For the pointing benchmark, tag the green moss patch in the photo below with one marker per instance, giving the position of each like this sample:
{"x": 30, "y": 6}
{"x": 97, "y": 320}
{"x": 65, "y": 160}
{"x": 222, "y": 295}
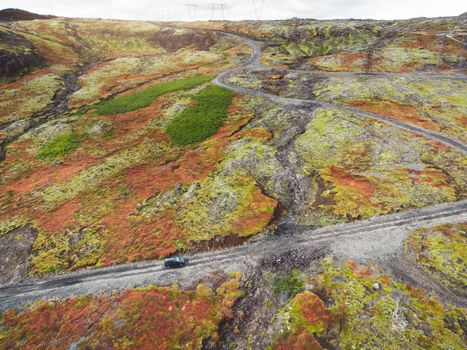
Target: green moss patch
{"x": 440, "y": 251}
{"x": 144, "y": 98}
{"x": 202, "y": 119}
{"x": 58, "y": 147}
{"x": 358, "y": 307}
{"x": 291, "y": 284}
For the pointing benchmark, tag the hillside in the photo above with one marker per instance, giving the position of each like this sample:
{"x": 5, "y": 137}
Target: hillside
{"x": 21, "y": 15}
{"x": 313, "y": 172}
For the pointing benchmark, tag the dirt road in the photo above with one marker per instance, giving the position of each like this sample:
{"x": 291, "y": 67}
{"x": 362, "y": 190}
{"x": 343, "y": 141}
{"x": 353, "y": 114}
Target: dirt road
{"x": 380, "y": 238}
{"x": 254, "y": 63}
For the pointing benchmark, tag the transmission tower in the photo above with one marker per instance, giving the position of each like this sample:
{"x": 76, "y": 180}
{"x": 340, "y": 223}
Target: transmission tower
{"x": 163, "y": 15}
{"x": 192, "y": 10}
{"x": 258, "y": 6}
{"x": 217, "y": 6}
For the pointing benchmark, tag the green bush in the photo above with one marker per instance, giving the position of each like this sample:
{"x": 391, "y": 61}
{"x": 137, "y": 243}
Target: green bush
{"x": 144, "y": 98}
{"x": 201, "y": 120}
{"x": 292, "y": 284}
{"x": 60, "y": 146}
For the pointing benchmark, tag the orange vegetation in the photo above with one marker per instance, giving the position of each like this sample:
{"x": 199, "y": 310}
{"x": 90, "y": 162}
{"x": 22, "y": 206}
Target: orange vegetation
{"x": 43, "y": 175}
{"x": 256, "y": 133}
{"x": 393, "y": 110}
{"x": 151, "y": 318}
{"x": 359, "y": 184}
{"x": 312, "y": 309}
{"x": 299, "y": 340}
{"x": 150, "y": 238}
{"x": 257, "y": 214}
{"x": 358, "y": 270}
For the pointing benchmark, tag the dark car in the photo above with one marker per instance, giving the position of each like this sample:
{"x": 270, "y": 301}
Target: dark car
{"x": 177, "y": 261}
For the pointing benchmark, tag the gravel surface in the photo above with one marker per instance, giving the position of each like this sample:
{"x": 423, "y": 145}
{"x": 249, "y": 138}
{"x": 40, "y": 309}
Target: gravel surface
{"x": 379, "y": 238}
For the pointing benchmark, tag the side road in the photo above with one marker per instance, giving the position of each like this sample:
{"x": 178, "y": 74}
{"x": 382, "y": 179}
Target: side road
{"x": 254, "y": 63}
{"x": 380, "y": 238}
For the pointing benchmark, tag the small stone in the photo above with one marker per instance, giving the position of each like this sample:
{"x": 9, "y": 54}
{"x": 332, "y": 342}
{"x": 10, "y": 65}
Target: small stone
{"x": 376, "y": 286}
{"x": 100, "y": 129}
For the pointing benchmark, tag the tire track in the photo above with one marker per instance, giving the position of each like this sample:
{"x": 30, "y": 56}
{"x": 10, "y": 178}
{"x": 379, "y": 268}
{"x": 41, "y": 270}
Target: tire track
{"x": 140, "y": 273}
{"x": 108, "y": 278}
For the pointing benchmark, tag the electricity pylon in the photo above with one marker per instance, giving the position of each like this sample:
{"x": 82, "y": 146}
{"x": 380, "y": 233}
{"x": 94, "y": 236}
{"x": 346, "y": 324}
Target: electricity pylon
{"x": 217, "y": 6}
{"x": 192, "y": 10}
{"x": 258, "y": 9}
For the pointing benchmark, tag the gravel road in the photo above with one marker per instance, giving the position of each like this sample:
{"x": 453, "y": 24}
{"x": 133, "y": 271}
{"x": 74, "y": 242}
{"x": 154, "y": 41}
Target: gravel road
{"x": 379, "y": 238}
{"x": 254, "y": 63}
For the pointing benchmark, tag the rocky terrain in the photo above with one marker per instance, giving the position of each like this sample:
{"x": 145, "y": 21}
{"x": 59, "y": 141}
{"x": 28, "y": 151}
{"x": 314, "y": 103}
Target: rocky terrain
{"x": 313, "y": 171}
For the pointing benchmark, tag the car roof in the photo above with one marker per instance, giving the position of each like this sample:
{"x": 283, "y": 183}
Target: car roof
{"x": 175, "y": 258}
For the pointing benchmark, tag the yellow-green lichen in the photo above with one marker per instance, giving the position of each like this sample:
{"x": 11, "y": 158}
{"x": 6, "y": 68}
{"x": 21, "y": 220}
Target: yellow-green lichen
{"x": 441, "y": 251}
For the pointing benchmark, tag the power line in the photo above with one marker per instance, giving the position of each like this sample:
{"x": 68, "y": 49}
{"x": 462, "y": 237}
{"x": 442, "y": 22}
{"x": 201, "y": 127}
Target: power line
{"x": 217, "y": 6}
{"x": 258, "y": 9}
{"x": 191, "y": 8}
{"x": 163, "y": 15}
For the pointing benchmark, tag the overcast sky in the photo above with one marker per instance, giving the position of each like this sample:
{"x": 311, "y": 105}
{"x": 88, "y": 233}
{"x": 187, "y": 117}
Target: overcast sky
{"x": 240, "y": 9}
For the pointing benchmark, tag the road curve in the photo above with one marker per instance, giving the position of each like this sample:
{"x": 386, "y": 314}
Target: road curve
{"x": 254, "y": 63}
{"x": 388, "y": 231}
{"x": 393, "y": 227}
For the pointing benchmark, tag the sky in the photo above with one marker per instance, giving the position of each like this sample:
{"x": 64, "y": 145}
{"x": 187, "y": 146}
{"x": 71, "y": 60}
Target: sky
{"x": 187, "y": 10}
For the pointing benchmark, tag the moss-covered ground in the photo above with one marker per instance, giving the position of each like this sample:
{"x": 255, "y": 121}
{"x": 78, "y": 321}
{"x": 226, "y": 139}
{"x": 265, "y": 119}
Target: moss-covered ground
{"x": 441, "y": 252}
{"x": 144, "y": 98}
{"x": 106, "y": 189}
{"x": 359, "y": 307}
{"x": 201, "y": 120}
{"x": 144, "y": 318}
{"x": 358, "y": 175}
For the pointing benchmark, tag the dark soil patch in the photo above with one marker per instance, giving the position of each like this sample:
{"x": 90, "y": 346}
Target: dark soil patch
{"x": 21, "y": 56}
{"x": 167, "y": 39}
{"x": 219, "y": 242}
{"x": 253, "y": 313}
{"x": 15, "y": 248}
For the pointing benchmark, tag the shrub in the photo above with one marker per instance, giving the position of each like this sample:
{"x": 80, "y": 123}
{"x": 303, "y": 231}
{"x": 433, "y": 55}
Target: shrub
{"x": 144, "y": 98}
{"x": 60, "y": 146}
{"x": 201, "y": 120}
{"x": 291, "y": 284}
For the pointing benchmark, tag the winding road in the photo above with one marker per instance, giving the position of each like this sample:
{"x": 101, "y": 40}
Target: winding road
{"x": 254, "y": 63}
{"x": 379, "y": 238}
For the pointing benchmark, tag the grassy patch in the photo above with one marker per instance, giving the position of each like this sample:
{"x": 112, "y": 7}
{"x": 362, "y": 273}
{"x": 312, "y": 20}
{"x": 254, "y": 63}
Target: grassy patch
{"x": 60, "y": 146}
{"x": 203, "y": 119}
{"x": 292, "y": 284}
{"x": 144, "y": 98}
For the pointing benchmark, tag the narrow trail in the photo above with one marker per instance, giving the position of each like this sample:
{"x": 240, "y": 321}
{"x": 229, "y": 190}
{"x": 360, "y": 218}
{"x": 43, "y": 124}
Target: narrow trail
{"x": 379, "y": 238}
{"x": 254, "y": 63}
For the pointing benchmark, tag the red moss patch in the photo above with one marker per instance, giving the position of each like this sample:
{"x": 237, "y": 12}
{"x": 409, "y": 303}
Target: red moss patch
{"x": 256, "y": 216}
{"x": 395, "y": 111}
{"x": 299, "y": 340}
{"x": 59, "y": 219}
{"x": 130, "y": 241}
{"x": 358, "y": 270}
{"x": 149, "y": 318}
{"x": 360, "y": 184}
{"x": 49, "y": 174}
{"x": 312, "y": 309}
